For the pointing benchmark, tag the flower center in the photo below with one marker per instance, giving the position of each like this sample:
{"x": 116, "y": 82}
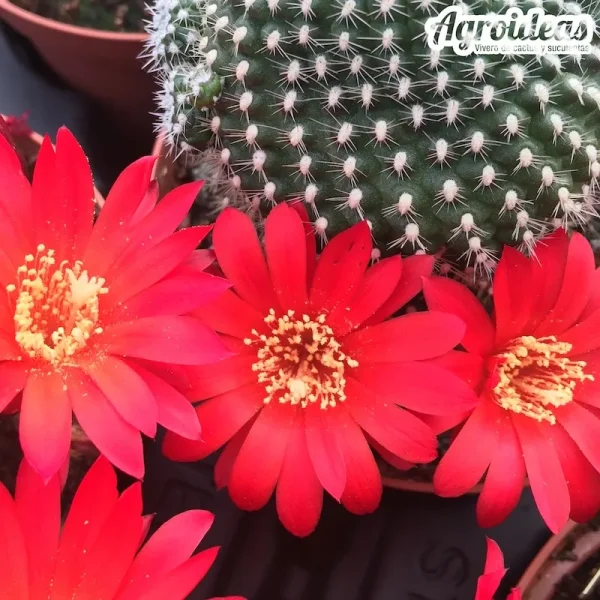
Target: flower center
{"x": 535, "y": 376}
{"x": 55, "y": 307}
{"x": 300, "y": 362}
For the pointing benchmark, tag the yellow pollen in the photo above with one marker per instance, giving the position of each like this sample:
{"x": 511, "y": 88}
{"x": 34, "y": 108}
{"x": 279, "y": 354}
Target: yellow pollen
{"x": 535, "y": 376}
{"x": 300, "y": 362}
{"x": 56, "y": 307}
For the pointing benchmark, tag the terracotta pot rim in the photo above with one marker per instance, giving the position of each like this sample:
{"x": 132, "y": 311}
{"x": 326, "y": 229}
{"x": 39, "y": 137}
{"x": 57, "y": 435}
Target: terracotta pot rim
{"x": 73, "y": 30}
{"x": 421, "y": 487}
{"x": 548, "y": 549}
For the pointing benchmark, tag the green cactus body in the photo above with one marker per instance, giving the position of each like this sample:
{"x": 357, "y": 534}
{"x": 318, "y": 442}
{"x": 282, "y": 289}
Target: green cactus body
{"x": 342, "y": 104}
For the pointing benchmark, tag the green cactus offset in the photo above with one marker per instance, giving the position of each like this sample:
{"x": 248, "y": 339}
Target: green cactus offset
{"x": 342, "y": 103}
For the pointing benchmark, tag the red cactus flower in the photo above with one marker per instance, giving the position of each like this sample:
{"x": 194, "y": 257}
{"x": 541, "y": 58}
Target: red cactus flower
{"x": 536, "y": 367}
{"x": 90, "y": 315}
{"x": 16, "y": 125}
{"x": 319, "y": 372}
{"x": 97, "y": 554}
{"x": 493, "y": 572}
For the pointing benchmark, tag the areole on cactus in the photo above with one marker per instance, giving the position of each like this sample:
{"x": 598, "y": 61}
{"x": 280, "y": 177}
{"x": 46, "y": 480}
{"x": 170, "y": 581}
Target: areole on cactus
{"x": 342, "y": 103}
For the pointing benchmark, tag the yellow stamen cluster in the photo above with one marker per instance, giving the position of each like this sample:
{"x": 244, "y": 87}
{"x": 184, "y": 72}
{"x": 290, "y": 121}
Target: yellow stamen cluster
{"x": 56, "y": 307}
{"x": 300, "y": 362}
{"x": 536, "y": 376}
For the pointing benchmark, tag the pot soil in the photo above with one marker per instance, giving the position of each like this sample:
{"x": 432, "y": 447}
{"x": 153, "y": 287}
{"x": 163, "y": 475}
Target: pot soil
{"x": 567, "y": 567}
{"x": 104, "y": 65}
{"x": 105, "y": 15}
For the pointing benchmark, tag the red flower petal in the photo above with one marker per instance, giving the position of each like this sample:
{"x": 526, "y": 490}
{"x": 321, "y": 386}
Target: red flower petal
{"x": 582, "y": 479}
{"x": 583, "y": 336}
{"x": 311, "y": 241}
{"x": 415, "y": 336}
{"x": 15, "y": 202}
{"x": 493, "y": 572}
{"x": 228, "y": 455}
{"x": 108, "y": 238}
{"x": 442, "y": 423}
{"x": 470, "y": 453}
{"x": 575, "y": 291}
{"x": 45, "y": 194}
{"x": 199, "y": 260}
{"x": 167, "y": 339}
{"x": 396, "y": 429}
{"x": 504, "y": 480}
{"x": 94, "y": 500}
{"x": 167, "y": 549}
{"x": 180, "y": 582}
{"x": 9, "y": 350}
{"x": 7, "y": 322}
{"x": 584, "y": 428}
{"x": 325, "y": 450}
{"x": 469, "y": 367}
{"x": 176, "y": 294}
{"x": 299, "y": 494}
{"x": 45, "y": 422}
{"x": 418, "y": 386}
{"x": 414, "y": 268}
{"x": 231, "y": 315}
{"x": 110, "y": 556}
{"x": 285, "y": 247}
{"x": 362, "y": 493}
{"x": 126, "y": 391}
{"x": 13, "y": 552}
{"x": 547, "y": 275}
{"x": 376, "y": 287}
{"x": 38, "y": 508}
{"x": 513, "y": 297}
{"x": 259, "y": 461}
{"x": 220, "y": 418}
{"x": 159, "y": 223}
{"x": 594, "y": 300}
{"x": 150, "y": 266}
{"x": 175, "y": 412}
{"x": 211, "y": 380}
{"x": 149, "y": 202}
{"x": 73, "y": 216}
{"x": 546, "y": 477}
{"x": 446, "y": 295}
{"x": 341, "y": 267}
{"x": 391, "y": 459}
{"x": 119, "y": 441}
{"x": 13, "y": 376}
{"x": 242, "y": 260}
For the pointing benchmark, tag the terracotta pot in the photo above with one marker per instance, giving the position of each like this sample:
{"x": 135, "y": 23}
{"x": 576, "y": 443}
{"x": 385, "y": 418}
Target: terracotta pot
{"x": 101, "y": 64}
{"x": 561, "y": 556}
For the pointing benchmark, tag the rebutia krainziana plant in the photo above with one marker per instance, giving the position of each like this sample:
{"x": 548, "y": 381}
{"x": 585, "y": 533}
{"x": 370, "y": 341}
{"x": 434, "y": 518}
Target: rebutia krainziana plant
{"x": 343, "y": 104}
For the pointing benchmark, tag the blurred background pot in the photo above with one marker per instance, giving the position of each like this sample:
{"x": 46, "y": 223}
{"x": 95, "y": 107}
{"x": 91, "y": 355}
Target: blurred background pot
{"x": 104, "y": 65}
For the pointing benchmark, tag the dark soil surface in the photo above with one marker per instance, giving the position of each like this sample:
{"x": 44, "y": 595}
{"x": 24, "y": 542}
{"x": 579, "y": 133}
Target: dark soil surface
{"x": 107, "y": 15}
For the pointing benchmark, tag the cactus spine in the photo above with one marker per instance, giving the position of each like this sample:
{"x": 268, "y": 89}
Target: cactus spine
{"x": 342, "y": 104}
